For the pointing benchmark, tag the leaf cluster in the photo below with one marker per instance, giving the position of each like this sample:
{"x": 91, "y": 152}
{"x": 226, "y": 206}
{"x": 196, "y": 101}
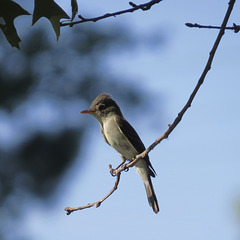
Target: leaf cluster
{"x": 10, "y": 10}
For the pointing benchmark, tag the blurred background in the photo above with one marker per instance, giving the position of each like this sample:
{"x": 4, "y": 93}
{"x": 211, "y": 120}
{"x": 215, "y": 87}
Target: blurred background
{"x": 52, "y": 157}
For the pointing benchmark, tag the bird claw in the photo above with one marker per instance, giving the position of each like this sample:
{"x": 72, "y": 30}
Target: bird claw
{"x": 112, "y": 170}
{"x": 126, "y": 169}
{"x": 113, "y": 173}
{"x": 121, "y": 164}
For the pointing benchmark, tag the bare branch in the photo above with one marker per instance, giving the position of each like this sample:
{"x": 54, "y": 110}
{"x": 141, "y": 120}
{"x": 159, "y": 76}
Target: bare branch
{"x": 177, "y": 120}
{"x": 172, "y": 126}
{"x": 235, "y": 27}
{"x": 134, "y": 7}
{"x": 69, "y": 210}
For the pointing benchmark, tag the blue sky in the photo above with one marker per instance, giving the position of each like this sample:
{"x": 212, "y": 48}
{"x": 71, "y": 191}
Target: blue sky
{"x": 198, "y": 181}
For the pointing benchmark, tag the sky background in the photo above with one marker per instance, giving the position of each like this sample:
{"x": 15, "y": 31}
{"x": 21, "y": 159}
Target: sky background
{"x": 197, "y": 183}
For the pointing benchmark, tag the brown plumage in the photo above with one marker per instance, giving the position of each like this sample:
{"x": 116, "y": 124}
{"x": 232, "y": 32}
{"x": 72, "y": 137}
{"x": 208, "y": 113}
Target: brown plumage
{"x": 120, "y": 135}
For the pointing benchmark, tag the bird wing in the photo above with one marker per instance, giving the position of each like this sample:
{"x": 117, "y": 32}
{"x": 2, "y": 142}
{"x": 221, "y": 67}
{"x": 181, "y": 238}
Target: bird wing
{"x": 134, "y": 139}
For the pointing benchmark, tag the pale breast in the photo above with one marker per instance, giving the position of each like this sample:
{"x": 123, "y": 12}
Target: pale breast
{"x": 117, "y": 139}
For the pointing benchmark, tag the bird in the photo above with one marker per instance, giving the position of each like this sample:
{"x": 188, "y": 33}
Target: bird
{"x": 120, "y": 135}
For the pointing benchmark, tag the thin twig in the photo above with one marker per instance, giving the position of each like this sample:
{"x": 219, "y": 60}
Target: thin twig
{"x": 134, "y": 7}
{"x": 235, "y": 27}
{"x": 192, "y": 96}
{"x": 172, "y": 126}
{"x": 69, "y": 210}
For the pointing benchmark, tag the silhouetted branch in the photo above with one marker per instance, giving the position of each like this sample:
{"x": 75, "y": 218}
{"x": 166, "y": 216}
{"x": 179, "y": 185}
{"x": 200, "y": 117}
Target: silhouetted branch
{"x": 235, "y": 27}
{"x": 171, "y": 127}
{"x": 134, "y": 7}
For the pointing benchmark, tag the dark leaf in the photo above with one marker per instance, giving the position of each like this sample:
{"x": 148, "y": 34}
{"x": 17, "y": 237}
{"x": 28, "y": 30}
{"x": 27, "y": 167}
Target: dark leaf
{"x": 9, "y": 10}
{"x": 74, "y": 5}
{"x": 50, "y": 10}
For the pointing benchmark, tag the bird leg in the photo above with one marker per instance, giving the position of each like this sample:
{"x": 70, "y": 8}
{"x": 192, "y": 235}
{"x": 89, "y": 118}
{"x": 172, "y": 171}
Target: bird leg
{"x": 113, "y": 170}
{"x": 123, "y": 161}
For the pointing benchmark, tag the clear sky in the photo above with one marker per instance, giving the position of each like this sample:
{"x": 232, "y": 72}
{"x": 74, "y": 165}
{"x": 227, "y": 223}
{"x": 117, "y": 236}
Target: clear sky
{"x": 198, "y": 183}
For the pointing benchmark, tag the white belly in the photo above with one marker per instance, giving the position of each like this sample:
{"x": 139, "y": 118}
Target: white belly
{"x": 120, "y": 143}
{"x": 117, "y": 140}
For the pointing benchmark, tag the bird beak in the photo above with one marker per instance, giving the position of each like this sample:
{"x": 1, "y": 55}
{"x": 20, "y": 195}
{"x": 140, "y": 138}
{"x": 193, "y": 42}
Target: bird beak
{"x": 89, "y": 111}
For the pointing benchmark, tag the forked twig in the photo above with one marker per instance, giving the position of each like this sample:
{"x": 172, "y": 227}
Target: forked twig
{"x": 235, "y": 27}
{"x": 134, "y": 7}
{"x": 69, "y": 210}
{"x": 193, "y": 94}
{"x": 177, "y": 120}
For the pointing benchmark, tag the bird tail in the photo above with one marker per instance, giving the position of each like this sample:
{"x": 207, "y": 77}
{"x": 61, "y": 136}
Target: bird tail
{"x": 152, "y": 199}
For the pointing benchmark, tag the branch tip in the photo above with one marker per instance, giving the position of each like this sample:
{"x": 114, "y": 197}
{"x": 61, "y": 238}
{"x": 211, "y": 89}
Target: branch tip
{"x": 134, "y": 7}
{"x": 132, "y": 4}
{"x": 189, "y": 24}
{"x": 81, "y": 17}
{"x": 68, "y": 210}
{"x": 235, "y": 27}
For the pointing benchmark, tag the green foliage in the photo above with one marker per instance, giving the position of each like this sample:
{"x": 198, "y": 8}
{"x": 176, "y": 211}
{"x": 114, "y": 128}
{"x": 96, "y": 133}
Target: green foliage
{"x": 9, "y": 10}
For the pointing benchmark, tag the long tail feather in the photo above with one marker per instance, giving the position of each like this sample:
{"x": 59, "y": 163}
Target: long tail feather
{"x": 152, "y": 199}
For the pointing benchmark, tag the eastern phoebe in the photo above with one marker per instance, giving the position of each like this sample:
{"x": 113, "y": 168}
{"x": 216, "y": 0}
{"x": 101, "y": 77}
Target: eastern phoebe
{"x": 120, "y": 135}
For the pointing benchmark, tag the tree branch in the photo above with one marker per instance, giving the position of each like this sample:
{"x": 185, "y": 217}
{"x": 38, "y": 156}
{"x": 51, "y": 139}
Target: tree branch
{"x": 134, "y": 7}
{"x": 235, "y": 27}
{"x": 69, "y": 210}
{"x": 177, "y": 120}
{"x": 193, "y": 94}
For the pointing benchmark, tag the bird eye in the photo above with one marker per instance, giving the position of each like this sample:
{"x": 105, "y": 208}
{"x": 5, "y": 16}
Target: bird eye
{"x": 101, "y": 107}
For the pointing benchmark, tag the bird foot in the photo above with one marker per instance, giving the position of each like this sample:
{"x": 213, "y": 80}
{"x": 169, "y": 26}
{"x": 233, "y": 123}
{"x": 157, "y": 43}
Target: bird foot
{"x": 121, "y": 164}
{"x": 112, "y": 170}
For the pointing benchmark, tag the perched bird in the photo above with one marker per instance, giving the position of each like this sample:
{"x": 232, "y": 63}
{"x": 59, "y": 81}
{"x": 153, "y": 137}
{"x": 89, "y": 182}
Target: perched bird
{"x": 120, "y": 135}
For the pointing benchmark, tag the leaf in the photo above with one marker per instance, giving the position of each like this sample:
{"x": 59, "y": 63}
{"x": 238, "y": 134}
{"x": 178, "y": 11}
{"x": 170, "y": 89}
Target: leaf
{"x": 50, "y": 10}
{"x": 9, "y": 10}
{"x": 11, "y": 35}
{"x": 74, "y": 6}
